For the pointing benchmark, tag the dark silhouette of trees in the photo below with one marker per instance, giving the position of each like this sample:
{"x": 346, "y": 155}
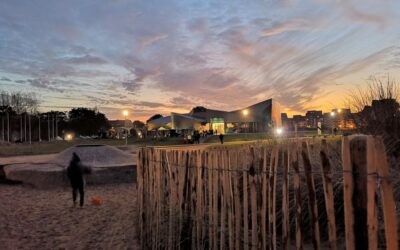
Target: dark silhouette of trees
{"x": 20, "y": 120}
{"x": 377, "y": 106}
{"x": 16, "y": 106}
{"x": 87, "y": 122}
{"x": 379, "y": 112}
{"x": 138, "y": 124}
{"x": 198, "y": 109}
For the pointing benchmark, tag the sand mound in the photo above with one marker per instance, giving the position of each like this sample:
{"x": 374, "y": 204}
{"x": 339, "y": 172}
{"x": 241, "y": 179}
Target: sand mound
{"x": 37, "y": 175}
{"x": 95, "y": 156}
{"x": 109, "y": 165}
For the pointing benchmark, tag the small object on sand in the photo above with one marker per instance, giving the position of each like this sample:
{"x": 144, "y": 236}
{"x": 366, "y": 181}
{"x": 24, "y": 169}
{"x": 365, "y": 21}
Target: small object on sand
{"x": 97, "y": 201}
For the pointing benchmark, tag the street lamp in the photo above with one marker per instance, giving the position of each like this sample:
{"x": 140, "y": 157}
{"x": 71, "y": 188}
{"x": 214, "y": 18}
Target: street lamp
{"x": 68, "y": 137}
{"x": 245, "y": 113}
{"x": 125, "y": 113}
{"x": 332, "y": 121}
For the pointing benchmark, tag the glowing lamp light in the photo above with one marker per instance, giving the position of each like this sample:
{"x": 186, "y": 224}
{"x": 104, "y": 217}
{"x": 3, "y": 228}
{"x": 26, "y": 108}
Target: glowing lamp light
{"x": 245, "y": 112}
{"x": 332, "y": 113}
{"x": 279, "y": 131}
{"x": 68, "y": 137}
{"x": 339, "y": 110}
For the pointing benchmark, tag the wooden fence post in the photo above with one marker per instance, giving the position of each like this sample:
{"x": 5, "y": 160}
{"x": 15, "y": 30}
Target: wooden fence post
{"x": 245, "y": 204}
{"x": 264, "y": 192}
{"x": 328, "y": 194}
{"x": 372, "y": 210}
{"x": 223, "y": 200}
{"x": 348, "y": 187}
{"x": 140, "y": 192}
{"x": 272, "y": 196}
{"x": 285, "y": 198}
{"x": 253, "y": 197}
{"x": 210, "y": 165}
{"x": 388, "y": 202}
{"x": 238, "y": 204}
{"x": 312, "y": 201}
{"x": 294, "y": 161}
{"x": 355, "y": 191}
{"x": 215, "y": 199}
{"x": 230, "y": 200}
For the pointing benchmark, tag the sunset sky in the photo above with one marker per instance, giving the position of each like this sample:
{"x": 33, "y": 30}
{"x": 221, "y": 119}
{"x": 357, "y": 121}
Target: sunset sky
{"x": 161, "y": 56}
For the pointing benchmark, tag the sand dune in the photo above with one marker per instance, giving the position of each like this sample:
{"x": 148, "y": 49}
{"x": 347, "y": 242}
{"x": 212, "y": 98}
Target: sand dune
{"x": 46, "y": 219}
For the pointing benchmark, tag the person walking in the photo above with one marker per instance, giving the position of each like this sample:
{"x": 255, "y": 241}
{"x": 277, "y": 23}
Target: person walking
{"x": 75, "y": 173}
{"x": 221, "y": 138}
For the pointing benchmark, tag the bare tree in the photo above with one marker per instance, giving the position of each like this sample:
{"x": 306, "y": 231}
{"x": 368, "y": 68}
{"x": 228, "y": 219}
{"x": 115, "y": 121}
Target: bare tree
{"x": 48, "y": 127}
{"x": 377, "y": 89}
{"x": 379, "y": 112}
{"x": 40, "y": 135}
{"x": 2, "y": 126}
{"x": 17, "y": 103}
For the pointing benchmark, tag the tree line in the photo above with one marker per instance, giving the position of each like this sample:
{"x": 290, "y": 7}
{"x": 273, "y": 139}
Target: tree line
{"x": 22, "y": 122}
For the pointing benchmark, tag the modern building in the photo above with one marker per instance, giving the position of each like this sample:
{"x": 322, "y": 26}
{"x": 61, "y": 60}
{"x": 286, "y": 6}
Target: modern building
{"x": 260, "y": 117}
{"x": 163, "y": 123}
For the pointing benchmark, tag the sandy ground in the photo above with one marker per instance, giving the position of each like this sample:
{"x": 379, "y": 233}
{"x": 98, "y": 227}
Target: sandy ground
{"x": 46, "y": 219}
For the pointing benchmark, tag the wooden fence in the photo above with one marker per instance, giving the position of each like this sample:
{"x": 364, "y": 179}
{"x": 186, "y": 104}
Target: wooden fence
{"x": 267, "y": 195}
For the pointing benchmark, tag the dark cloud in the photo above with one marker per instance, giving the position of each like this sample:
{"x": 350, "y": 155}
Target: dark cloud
{"x": 133, "y": 86}
{"x": 197, "y": 25}
{"x": 44, "y": 84}
{"x": 150, "y": 104}
{"x": 183, "y": 101}
{"x": 5, "y": 79}
{"x": 87, "y": 59}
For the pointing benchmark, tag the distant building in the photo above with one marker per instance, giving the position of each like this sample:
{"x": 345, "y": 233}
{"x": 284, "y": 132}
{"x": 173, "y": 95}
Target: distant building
{"x": 286, "y": 122}
{"x": 313, "y": 117}
{"x": 341, "y": 119}
{"x": 299, "y": 121}
{"x": 119, "y": 128}
{"x": 260, "y": 117}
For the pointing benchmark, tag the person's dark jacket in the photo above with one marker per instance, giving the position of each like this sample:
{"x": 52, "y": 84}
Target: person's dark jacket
{"x": 76, "y": 170}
